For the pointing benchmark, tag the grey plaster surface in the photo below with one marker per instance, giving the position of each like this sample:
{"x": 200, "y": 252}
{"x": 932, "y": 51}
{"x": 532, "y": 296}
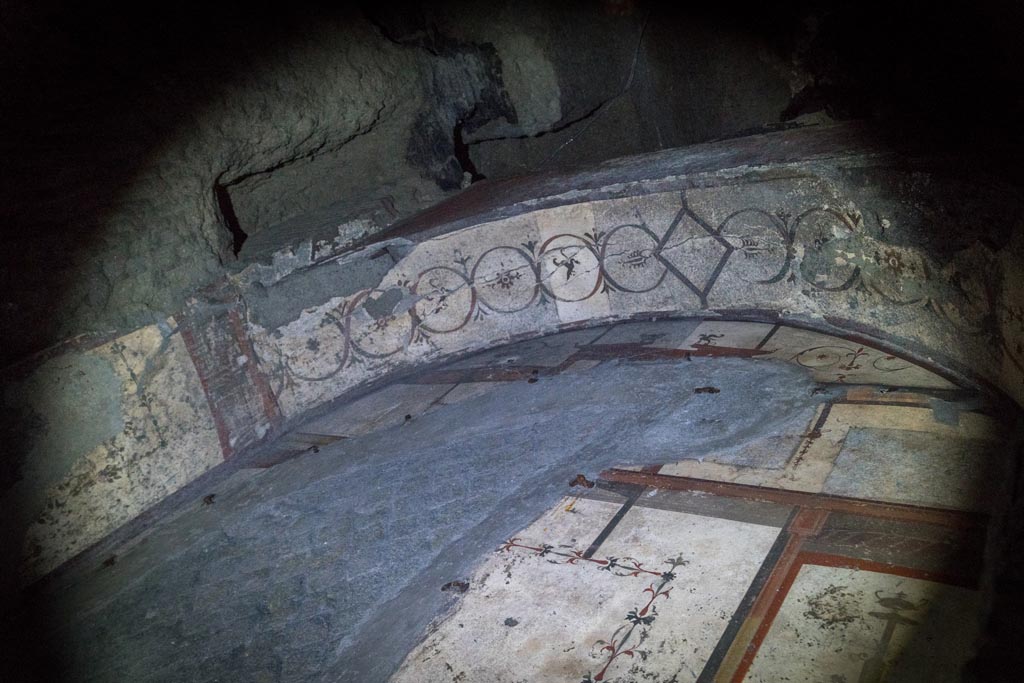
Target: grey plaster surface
{"x": 278, "y": 303}
{"x": 385, "y": 408}
{"x": 329, "y": 566}
{"x": 81, "y": 395}
{"x": 663, "y": 333}
{"x": 770, "y": 452}
{"x": 548, "y": 351}
{"x": 923, "y": 468}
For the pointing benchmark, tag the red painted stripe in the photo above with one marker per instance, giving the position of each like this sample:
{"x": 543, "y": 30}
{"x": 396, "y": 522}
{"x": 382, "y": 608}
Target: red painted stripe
{"x": 839, "y": 561}
{"x": 270, "y": 407}
{"x": 773, "y": 595}
{"x": 792, "y": 570}
{"x": 868, "y": 508}
{"x": 193, "y": 352}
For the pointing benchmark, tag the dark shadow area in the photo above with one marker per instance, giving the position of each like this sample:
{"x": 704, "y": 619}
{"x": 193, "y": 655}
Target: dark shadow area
{"x": 230, "y": 218}
{"x": 93, "y": 97}
{"x": 94, "y": 93}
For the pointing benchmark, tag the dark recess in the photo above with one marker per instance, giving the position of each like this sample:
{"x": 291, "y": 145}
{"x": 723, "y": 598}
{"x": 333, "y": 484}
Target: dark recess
{"x": 461, "y": 151}
{"x": 228, "y": 218}
{"x": 77, "y": 118}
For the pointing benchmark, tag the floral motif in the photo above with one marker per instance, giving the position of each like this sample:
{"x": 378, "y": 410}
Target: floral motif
{"x": 638, "y": 258}
{"x": 752, "y": 247}
{"x": 637, "y": 618}
{"x": 625, "y": 641}
{"x": 619, "y": 566}
{"x": 894, "y": 261}
{"x": 506, "y": 279}
{"x": 707, "y": 339}
{"x": 568, "y": 261}
{"x": 820, "y": 245}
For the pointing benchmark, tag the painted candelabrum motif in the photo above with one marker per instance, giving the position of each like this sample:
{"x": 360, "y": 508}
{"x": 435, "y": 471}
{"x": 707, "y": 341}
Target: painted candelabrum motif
{"x": 628, "y": 638}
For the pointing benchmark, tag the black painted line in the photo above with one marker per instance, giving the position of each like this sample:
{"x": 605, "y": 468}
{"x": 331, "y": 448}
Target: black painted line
{"x": 741, "y": 510}
{"x": 771, "y": 333}
{"x": 823, "y": 417}
{"x": 663, "y": 243}
{"x": 437, "y": 401}
{"x": 307, "y": 437}
{"x": 717, "y": 272}
{"x": 711, "y": 667}
{"x": 682, "y": 278}
{"x": 612, "y": 523}
{"x": 704, "y": 225}
{"x": 601, "y": 336}
{"x": 676, "y": 220}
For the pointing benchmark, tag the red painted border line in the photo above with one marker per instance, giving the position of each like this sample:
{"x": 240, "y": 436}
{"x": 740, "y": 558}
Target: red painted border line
{"x": 842, "y": 562}
{"x": 956, "y": 519}
{"x": 641, "y": 352}
{"x": 777, "y": 598}
{"x": 270, "y": 407}
{"x": 223, "y": 436}
{"x": 486, "y": 374}
{"x": 593, "y": 351}
{"x": 805, "y": 523}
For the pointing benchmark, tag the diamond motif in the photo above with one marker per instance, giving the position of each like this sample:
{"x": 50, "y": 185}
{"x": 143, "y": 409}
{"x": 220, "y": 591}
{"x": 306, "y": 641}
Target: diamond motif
{"x": 694, "y": 252}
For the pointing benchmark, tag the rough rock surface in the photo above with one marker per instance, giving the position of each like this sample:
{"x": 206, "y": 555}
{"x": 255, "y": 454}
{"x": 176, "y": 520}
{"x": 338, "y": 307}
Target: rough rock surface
{"x": 144, "y": 150}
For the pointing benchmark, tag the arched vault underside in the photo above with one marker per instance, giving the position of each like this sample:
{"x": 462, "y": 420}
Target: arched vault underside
{"x": 825, "y": 229}
{"x": 681, "y": 499}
